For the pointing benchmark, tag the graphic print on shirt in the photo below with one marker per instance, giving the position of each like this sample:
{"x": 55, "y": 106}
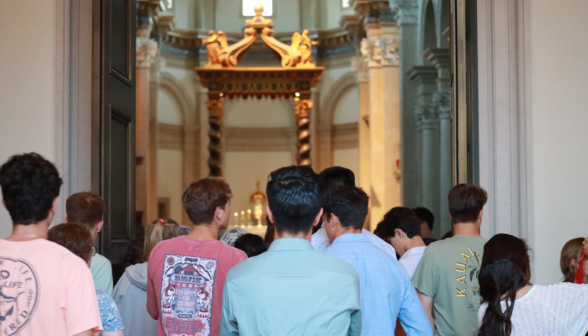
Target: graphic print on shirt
{"x": 467, "y": 273}
{"x": 187, "y": 286}
{"x": 19, "y": 291}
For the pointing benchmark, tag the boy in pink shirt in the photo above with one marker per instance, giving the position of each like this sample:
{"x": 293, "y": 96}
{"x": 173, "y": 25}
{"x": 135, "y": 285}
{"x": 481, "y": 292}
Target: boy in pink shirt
{"x": 186, "y": 275}
{"x": 44, "y": 289}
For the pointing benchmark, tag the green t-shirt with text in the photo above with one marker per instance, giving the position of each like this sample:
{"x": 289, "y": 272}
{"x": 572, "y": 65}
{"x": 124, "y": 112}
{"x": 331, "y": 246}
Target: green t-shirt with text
{"x": 448, "y": 273}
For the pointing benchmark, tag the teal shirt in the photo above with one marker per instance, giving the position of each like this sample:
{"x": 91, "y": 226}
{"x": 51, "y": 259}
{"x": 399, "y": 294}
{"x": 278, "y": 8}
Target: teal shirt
{"x": 101, "y": 269}
{"x": 291, "y": 290}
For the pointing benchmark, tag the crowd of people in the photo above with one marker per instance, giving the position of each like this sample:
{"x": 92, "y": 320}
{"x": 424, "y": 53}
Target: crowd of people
{"x": 317, "y": 271}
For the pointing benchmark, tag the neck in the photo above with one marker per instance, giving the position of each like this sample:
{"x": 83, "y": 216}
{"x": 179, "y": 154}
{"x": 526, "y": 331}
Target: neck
{"x": 426, "y": 234}
{"x": 341, "y": 231}
{"x": 468, "y": 229}
{"x": 204, "y": 232}
{"x": 415, "y": 241}
{"x": 299, "y": 235}
{"x": 23, "y": 232}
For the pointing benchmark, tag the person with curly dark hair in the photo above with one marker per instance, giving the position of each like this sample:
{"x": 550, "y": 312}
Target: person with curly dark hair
{"x": 53, "y": 292}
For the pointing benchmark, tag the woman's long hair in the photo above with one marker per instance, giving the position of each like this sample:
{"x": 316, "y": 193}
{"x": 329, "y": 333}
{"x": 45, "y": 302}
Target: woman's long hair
{"x": 505, "y": 270}
{"x": 568, "y": 261}
{"x": 160, "y": 230}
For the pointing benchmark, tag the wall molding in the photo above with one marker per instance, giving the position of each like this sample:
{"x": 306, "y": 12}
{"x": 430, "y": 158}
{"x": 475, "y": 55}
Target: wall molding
{"x": 346, "y": 136}
{"x": 505, "y": 125}
{"x": 258, "y": 139}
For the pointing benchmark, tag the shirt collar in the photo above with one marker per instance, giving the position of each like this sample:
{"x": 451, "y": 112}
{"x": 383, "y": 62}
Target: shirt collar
{"x": 290, "y": 244}
{"x": 415, "y": 250}
{"x": 351, "y": 237}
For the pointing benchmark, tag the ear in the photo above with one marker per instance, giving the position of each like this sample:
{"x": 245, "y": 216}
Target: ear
{"x": 55, "y": 204}
{"x": 335, "y": 220}
{"x": 270, "y": 214}
{"x": 99, "y": 226}
{"x": 317, "y": 218}
{"x": 399, "y": 233}
{"x": 481, "y": 215}
{"x": 65, "y": 220}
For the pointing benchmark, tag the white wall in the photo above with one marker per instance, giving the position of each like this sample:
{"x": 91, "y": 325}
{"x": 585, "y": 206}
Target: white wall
{"x": 168, "y": 110}
{"x": 169, "y": 181}
{"x": 258, "y": 113}
{"x": 559, "y": 58}
{"x": 347, "y": 108}
{"x": 28, "y": 36}
{"x": 348, "y": 158}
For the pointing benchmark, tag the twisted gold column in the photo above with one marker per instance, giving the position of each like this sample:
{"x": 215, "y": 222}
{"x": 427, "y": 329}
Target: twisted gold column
{"x": 302, "y": 111}
{"x": 215, "y": 118}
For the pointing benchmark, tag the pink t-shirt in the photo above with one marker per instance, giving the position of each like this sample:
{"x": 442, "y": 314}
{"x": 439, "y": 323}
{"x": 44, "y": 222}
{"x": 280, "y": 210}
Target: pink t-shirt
{"x": 45, "y": 290}
{"x": 185, "y": 284}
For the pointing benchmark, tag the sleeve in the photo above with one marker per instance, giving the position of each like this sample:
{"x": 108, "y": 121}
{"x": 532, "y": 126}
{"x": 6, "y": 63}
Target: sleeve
{"x": 355, "y": 321}
{"x": 380, "y": 243}
{"x": 425, "y": 277}
{"x": 110, "y": 315}
{"x": 81, "y": 305}
{"x": 152, "y": 304}
{"x": 229, "y": 325}
{"x": 412, "y": 315}
{"x": 103, "y": 276}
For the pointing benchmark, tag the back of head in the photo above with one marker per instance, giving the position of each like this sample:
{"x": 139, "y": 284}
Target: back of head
{"x": 398, "y": 218}
{"x": 29, "y": 185}
{"x": 253, "y": 245}
{"x": 76, "y": 238}
{"x": 336, "y": 176}
{"x": 505, "y": 269}
{"x": 158, "y": 231}
{"x": 84, "y": 208}
{"x": 465, "y": 203}
{"x": 134, "y": 252}
{"x": 568, "y": 261}
{"x": 201, "y": 199}
{"x": 426, "y": 216}
{"x": 294, "y": 196}
{"x": 348, "y": 203}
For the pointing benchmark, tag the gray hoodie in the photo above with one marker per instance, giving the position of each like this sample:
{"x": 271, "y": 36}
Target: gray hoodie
{"x": 130, "y": 295}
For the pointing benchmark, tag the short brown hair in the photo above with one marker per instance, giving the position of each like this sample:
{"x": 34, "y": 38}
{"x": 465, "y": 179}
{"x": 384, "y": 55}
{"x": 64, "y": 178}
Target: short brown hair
{"x": 465, "y": 202}
{"x": 76, "y": 238}
{"x": 201, "y": 198}
{"x": 84, "y": 208}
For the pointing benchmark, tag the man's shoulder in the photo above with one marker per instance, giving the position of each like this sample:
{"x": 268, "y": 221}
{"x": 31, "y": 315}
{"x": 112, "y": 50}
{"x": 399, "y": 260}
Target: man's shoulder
{"x": 317, "y": 261}
{"x": 99, "y": 259}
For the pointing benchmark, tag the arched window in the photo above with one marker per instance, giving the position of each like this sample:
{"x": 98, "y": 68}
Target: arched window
{"x": 268, "y": 8}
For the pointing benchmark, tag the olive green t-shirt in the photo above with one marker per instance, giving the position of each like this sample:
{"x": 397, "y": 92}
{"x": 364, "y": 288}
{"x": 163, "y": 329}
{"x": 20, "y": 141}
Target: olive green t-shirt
{"x": 448, "y": 273}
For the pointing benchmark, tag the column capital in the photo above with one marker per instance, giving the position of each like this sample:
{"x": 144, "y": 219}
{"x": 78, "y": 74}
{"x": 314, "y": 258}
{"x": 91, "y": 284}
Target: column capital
{"x": 440, "y": 57}
{"x": 408, "y": 10}
{"x": 303, "y": 107}
{"x": 146, "y": 52}
{"x": 380, "y": 51}
{"x": 427, "y": 117}
{"x": 215, "y": 108}
{"x": 442, "y": 101}
{"x": 361, "y": 68}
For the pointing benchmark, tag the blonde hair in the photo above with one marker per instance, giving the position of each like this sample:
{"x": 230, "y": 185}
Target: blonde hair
{"x": 159, "y": 230}
{"x": 570, "y": 252}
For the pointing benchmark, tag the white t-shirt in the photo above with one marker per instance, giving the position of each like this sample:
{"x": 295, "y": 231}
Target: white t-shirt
{"x": 410, "y": 259}
{"x": 554, "y": 310}
{"x": 320, "y": 241}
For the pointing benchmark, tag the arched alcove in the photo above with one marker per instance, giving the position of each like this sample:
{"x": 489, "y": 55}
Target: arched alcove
{"x": 429, "y": 32}
{"x": 169, "y": 110}
{"x": 444, "y": 23}
{"x": 346, "y": 110}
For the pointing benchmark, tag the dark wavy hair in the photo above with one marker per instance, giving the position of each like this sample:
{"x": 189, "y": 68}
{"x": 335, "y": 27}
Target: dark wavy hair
{"x": 505, "y": 269}
{"x": 29, "y": 185}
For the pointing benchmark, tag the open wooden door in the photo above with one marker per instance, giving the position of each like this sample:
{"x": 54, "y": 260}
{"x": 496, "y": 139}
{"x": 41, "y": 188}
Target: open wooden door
{"x": 114, "y": 124}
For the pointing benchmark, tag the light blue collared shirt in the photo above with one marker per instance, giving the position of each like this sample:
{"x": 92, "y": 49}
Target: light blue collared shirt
{"x": 291, "y": 290}
{"x": 386, "y": 290}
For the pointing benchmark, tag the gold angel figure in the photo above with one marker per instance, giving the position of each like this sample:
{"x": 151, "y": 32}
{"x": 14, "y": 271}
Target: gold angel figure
{"x": 304, "y": 44}
{"x": 215, "y": 43}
